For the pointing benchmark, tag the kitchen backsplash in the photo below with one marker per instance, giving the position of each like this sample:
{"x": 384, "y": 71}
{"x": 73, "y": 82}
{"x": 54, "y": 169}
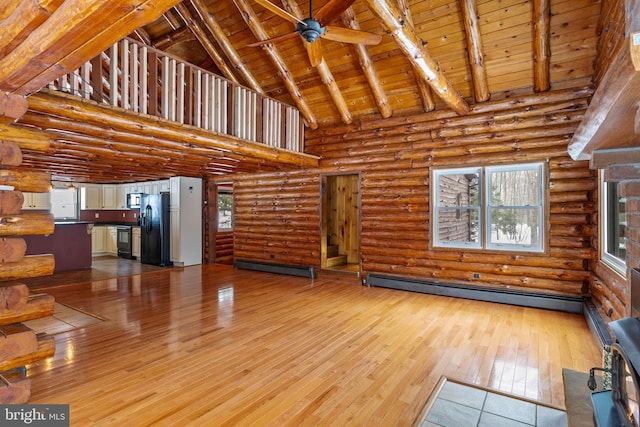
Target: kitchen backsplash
{"x": 125, "y": 215}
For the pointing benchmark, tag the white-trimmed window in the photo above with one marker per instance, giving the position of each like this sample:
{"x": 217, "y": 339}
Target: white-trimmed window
{"x": 613, "y": 224}
{"x": 225, "y": 210}
{"x": 491, "y": 207}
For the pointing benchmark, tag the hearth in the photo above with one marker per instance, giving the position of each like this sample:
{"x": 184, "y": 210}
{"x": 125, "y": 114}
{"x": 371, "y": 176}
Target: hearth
{"x": 620, "y": 405}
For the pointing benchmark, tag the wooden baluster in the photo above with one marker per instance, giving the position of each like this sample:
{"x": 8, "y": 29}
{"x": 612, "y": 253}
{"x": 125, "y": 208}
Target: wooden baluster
{"x": 206, "y": 101}
{"x": 166, "y": 87}
{"x": 144, "y": 69}
{"x": 113, "y": 74}
{"x": 180, "y": 92}
{"x": 124, "y": 46}
{"x": 97, "y": 74}
{"x": 135, "y": 76}
{"x": 152, "y": 83}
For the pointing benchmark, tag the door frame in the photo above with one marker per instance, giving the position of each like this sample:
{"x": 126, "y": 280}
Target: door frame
{"x": 324, "y": 217}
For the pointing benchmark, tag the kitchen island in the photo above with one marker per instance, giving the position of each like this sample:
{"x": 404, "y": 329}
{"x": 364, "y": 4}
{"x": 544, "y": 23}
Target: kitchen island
{"x": 70, "y": 245}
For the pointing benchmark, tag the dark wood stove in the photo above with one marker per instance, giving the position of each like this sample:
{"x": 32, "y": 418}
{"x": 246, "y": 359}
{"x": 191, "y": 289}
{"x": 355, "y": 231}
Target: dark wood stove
{"x": 620, "y": 405}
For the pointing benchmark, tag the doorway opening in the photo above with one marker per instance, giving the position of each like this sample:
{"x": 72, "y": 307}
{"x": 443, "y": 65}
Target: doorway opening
{"x": 340, "y": 231}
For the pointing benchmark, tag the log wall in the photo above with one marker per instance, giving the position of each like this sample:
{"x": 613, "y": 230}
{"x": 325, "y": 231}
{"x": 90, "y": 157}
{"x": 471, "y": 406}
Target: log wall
{"x": 277, "y": 214}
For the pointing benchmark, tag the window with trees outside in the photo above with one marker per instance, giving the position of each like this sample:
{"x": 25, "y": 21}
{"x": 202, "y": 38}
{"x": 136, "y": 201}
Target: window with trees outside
{"x": 613, "y": 249}
{"x": 490, "y": 207}
{"x": 225, "y": 210}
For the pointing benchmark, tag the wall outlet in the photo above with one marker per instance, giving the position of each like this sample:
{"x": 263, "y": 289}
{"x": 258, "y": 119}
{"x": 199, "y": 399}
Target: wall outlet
{"x": 97, "y": 215}
{"x": 135, "y": 215}
{"x": 123, "y": 215}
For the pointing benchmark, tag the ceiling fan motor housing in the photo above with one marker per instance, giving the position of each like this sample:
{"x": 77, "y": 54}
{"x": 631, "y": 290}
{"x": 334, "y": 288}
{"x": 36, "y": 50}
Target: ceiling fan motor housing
{"x": 310, "y": 30}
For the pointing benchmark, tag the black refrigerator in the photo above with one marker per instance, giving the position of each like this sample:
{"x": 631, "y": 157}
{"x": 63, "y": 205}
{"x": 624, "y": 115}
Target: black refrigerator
{"x": 154, "y": 229}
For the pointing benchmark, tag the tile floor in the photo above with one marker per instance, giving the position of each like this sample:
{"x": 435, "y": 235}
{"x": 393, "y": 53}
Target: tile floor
{"x": 64, "y": 319}
{"x": 458, "y": 405}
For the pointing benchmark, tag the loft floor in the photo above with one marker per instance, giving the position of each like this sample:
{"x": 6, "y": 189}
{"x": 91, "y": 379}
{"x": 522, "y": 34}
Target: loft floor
{"x": 211, "y": 345}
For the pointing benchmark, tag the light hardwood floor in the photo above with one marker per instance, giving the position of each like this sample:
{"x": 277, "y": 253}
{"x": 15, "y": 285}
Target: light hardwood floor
{"x": 210, "y": 345}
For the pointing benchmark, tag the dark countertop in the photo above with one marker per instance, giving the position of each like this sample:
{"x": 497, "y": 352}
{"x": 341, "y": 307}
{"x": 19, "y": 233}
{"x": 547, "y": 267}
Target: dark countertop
{"x": 104, "y": 224}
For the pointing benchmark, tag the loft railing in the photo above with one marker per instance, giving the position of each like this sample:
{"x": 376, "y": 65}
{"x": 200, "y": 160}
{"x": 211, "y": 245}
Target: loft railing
{"x": 140, "y": 78}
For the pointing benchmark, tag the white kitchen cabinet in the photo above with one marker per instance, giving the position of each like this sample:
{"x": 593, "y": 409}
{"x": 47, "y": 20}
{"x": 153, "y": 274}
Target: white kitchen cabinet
{"x": 151, "y": 187}
{"x": 135, "y": 242}
{"x": 97, "y": 196}
{"x": 111, "y": 237}
{"x": 91, "y": 196}
{"x": 186, "y": 221}
{"x": 109, "y": 196}
{"x": 98, "y": 242}
{"x": 36, "y": 201}
{"x": 164, "y": 185}
{"x": 174, "y": 236}
{"x": 123, "y": 190}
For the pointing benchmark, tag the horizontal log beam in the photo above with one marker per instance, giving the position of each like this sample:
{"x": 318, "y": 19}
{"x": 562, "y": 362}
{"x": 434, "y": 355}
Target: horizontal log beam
{"x": 16, "y": 340}
{"x": 29, "y": 266}
{"x": 46, "y": 348}
{"x": 24, "y": 224}
{"x": 34, "y": 182}
{"x": 28, "y": 139}
{"x": 37, "y": 307}
{"x": 156, "y": 127}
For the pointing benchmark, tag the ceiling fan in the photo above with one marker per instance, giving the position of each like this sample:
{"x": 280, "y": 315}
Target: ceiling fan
{"x": 315, "y": 27}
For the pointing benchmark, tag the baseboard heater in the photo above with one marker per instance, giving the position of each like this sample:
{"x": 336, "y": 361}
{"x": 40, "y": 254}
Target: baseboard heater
{"x": 292, "y": 270}
{"x": 597, "y": 325}
{"x": 480, "y": 293}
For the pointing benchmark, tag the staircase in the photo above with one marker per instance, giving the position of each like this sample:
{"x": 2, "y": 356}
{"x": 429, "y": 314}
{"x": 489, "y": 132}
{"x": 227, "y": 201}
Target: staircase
{"x": 334, "y": 259}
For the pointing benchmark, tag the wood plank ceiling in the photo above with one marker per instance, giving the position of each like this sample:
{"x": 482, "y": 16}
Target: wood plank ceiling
{"x": 434, "y": 55}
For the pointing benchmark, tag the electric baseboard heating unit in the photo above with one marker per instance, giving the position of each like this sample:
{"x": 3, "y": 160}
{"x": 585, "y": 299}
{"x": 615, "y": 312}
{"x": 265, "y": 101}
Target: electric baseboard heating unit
{"x": 481, "y": 293}
{"x": 292, "y": 270}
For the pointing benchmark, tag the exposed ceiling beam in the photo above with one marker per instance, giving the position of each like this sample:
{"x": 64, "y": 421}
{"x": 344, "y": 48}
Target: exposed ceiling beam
{"x": 323, "y": 69}
{"x": 142, "y": 36}
{"x": 208, "y": 46}
{"x": 221, "y": 38}
{"x": 76, "y": 31}
{"x": 426, "y": 95}
{"x": 474, "y": 48}
{"x": 541, "y": 44}
{"x": 7, "y": 7}
{"x": 27, "y": 16}
{"x": 411, "y": 45}
{"x": 349, "y": 20}
{"x": 252, "y": 21}
{"x": 181, "y": 35}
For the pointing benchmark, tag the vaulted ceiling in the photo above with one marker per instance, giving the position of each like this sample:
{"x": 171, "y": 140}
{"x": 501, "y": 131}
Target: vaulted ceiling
{"x": 433, "y": 55}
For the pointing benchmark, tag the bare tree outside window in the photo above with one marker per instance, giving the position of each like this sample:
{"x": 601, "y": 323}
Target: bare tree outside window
{"x": 225, "y": 210}
{"x": 493, "y": 207}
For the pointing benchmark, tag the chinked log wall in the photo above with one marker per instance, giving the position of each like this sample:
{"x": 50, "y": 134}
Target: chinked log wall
{"x": 610, "y": 291}
{"x": 277, "y": 214}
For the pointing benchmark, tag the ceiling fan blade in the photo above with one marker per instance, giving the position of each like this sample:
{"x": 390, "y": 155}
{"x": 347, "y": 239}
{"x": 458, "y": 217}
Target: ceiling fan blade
{"x": 347, "y": 35}
{"x": 331, "y": 11}
{"x": 274, "y": 39}
{"x": 314, "y": 50}
{"x": 280, "y": 12}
